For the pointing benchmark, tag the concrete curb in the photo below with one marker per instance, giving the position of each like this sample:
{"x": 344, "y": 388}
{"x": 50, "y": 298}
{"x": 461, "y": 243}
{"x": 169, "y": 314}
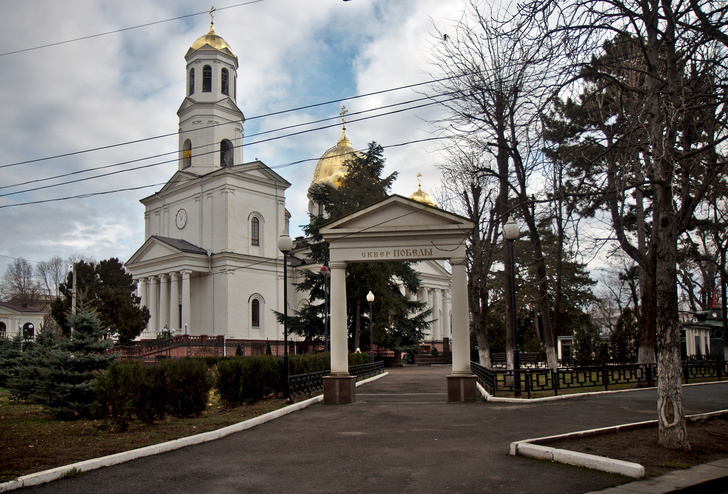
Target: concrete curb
{"x": 106, "y": 461}
{"x": 531, "y": 449}
{"x": 488, "y": 397}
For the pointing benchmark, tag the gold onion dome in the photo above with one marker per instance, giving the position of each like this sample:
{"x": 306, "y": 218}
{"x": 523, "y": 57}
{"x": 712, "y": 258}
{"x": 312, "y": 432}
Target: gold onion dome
{"x": 211, "y": 41}
{"x": 330, "y": 167}
{"x": 421, "y": 196}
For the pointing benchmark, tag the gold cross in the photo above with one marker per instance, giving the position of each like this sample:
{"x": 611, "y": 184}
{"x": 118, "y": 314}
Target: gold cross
{"x": 343, "y": 116}
{"x": 212, "y": 16}
{"x": 419, "y": 179}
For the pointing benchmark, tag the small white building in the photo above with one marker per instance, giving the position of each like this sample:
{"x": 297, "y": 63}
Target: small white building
{"x": 15, "y": 319}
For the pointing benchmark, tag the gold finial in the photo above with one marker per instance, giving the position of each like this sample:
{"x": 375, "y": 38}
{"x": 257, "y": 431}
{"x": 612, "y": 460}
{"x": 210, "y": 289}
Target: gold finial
{"x": 212, "y": 18}
{"x": 343, "y": 116}
{"x": 419, "y": 180}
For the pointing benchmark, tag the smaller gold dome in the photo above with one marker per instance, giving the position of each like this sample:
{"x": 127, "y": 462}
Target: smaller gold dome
{"x": 212, "y": 40}
{"x": 421, "y": 196}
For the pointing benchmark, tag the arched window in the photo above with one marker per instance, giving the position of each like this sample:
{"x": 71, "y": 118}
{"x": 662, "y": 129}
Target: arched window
{"x": 206, "y": 79}
{"x": 255, "y": 313}
{"x": 192, "y": 82}
{"x": 186, "y": 154}
{"x": 3, "y": 330}
{"x": 226, "y": 153}
{"x": 225, "y": 81}
{"x": 255, "y": 231}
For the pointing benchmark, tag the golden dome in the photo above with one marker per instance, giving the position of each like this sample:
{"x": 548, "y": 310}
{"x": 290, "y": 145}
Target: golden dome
{"x": 330, "y": 168}
{"x": 421, "y": 196}
{"x": 211, "y": 41}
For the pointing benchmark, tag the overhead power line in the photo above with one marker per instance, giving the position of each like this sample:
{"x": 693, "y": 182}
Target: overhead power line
{"x": 116, "y": 31}
{"x": 429, "y": 103}
{"x": 276, "y": 113}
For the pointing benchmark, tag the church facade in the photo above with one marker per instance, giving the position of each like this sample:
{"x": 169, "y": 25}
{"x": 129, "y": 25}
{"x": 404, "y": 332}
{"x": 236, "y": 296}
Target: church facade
{"x": 209, "y": 264}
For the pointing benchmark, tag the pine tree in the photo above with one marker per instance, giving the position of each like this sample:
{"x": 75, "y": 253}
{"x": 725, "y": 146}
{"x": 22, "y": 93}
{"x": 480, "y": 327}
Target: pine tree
{"x": 67, "y": 389}
{"x": 398, "y": 322}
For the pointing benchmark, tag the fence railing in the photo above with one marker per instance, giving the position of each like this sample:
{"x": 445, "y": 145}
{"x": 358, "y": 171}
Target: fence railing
{"x": 565, "y": 378}
{"x": 313, "y": 382}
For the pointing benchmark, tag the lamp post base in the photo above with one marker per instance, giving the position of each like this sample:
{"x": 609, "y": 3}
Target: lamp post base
{"x": 339, "y": 390}
{"x": 461, "y": 388}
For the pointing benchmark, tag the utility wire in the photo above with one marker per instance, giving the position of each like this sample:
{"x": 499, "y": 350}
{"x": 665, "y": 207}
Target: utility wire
{"x": 114, "y": 191}
{"x": 430, "y": 103}
{"x": 281, "y": 112}
{"x": 139, "y": 26}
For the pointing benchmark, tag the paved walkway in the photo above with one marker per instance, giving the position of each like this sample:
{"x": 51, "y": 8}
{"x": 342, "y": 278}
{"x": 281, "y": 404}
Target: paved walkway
{"x": 400, "y": 436}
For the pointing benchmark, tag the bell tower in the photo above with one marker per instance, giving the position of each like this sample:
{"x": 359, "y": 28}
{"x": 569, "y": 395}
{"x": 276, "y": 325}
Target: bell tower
{"x": 210, "y": 122}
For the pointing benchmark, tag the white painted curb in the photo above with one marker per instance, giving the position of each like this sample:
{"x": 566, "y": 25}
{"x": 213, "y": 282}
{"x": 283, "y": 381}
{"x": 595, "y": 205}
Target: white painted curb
{"x": 531, "y": 449}
{"x": 106, "y": 461}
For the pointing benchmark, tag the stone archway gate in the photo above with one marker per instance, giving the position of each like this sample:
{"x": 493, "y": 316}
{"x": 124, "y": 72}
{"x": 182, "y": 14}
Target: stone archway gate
{"x": 398, "y": 229}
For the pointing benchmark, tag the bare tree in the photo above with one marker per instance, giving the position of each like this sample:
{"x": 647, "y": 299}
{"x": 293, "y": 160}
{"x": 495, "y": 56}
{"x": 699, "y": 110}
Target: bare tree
{"x": 679, "y": 123}
{"x": 467, "y": 189}
{"x": 498, "y": 84}
{"x": 52, "y": 273}
{"x": 18, "y": 284}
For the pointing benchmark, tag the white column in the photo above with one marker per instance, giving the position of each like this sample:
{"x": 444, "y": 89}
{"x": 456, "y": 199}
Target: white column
{"x": 437, "y": 316}
{"x": 339, "y": 353}
{"x": 460, "y": 327}
{"x": 431, "y": 305}
{"x": 153, "y": 304}
{"x": 186, "y": 301}
{"x": 163, "y": 301}
{"x": 142, "y": 291}
{"x": 174, "y": 302}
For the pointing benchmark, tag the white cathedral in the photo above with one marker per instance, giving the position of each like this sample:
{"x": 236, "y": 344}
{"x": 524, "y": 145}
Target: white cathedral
{"x": 210, "y": 265}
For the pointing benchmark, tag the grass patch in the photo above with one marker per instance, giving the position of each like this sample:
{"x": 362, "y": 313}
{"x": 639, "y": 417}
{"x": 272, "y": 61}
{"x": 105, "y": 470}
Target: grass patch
{"x": 677, "y": 465}
{"x": 32, "y": 441}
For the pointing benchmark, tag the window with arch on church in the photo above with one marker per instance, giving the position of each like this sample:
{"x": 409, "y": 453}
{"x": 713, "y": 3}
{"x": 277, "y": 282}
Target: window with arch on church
{"x": 255, "y": 313}
{"x": 255, "y": 231}
{"x": 206, "y": 79}
{"x": 226, "y": 153}
{"x": 186, "y": 154}
{"x": 225, "y": 81}
{"x": 192, "y": 82}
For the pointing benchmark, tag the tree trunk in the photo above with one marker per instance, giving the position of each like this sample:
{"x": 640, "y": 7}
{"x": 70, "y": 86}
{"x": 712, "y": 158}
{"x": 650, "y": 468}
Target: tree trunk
{"x": 357, "y": 325}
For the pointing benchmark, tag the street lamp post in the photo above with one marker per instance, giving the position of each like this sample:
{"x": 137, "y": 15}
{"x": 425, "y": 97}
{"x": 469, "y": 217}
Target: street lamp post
{"x": 511, "y": 233}
{"x": 370, "y": 299}
{"x": 326, "y": 272}
{"x": 285, "y": 244}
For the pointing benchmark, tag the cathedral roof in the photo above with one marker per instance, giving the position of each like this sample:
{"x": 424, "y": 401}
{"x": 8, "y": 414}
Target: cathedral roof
{"x": 211, "y": 41}
{"x": 330, "y": 167}
{"x": 421, "y": 196}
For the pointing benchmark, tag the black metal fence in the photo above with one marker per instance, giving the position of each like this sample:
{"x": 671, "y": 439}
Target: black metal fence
{"x": 312, "y": 383}
{"x": 565, "y": 378}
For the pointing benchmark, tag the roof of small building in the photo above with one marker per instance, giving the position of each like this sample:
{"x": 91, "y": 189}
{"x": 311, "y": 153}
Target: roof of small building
{"x": 20, "y": 308}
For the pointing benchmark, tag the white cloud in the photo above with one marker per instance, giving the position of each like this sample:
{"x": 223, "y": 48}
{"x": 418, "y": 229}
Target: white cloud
{"x": 128, "y": 85}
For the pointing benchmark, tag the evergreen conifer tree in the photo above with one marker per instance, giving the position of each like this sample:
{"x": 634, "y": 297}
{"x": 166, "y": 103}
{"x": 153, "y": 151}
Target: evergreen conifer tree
{"x": 67, "y": 389}
{"x": 398, "y": 321}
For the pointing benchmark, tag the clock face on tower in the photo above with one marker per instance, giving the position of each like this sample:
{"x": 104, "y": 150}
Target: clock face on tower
{"x": 181, "y": 219}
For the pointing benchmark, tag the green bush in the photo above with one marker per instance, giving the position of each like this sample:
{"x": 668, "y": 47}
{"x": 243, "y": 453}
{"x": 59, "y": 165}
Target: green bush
{"x": 131, "y": 389}
{"x": 358, "y": 358}
{"x": 247, "y": 379}
{"x": 309, "y": 362}
{"x": 188, "y": 386}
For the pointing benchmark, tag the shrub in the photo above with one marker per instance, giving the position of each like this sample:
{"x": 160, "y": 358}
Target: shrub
{"x": 131, "y": 389}
{"x": 188, "y": 386}
{"x": 358, "y": 358}
{"x": 247, "y": 379}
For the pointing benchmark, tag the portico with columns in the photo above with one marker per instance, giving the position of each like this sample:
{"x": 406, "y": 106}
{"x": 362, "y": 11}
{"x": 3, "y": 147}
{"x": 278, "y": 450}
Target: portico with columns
{"x": 398, "y": 229}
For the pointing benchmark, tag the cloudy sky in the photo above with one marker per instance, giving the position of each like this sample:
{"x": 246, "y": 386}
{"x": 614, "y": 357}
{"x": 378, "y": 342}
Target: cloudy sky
{"x": 107, "y": 104}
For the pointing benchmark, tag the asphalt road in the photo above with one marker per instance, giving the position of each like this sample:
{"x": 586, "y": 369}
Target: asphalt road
{"x": 400, "y": 435}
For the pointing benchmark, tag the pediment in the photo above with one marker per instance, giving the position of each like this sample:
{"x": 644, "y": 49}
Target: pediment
{"x": 397, "y": 228}
{"x": 397, "y": 213}
{"x": 157, "y": 247}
